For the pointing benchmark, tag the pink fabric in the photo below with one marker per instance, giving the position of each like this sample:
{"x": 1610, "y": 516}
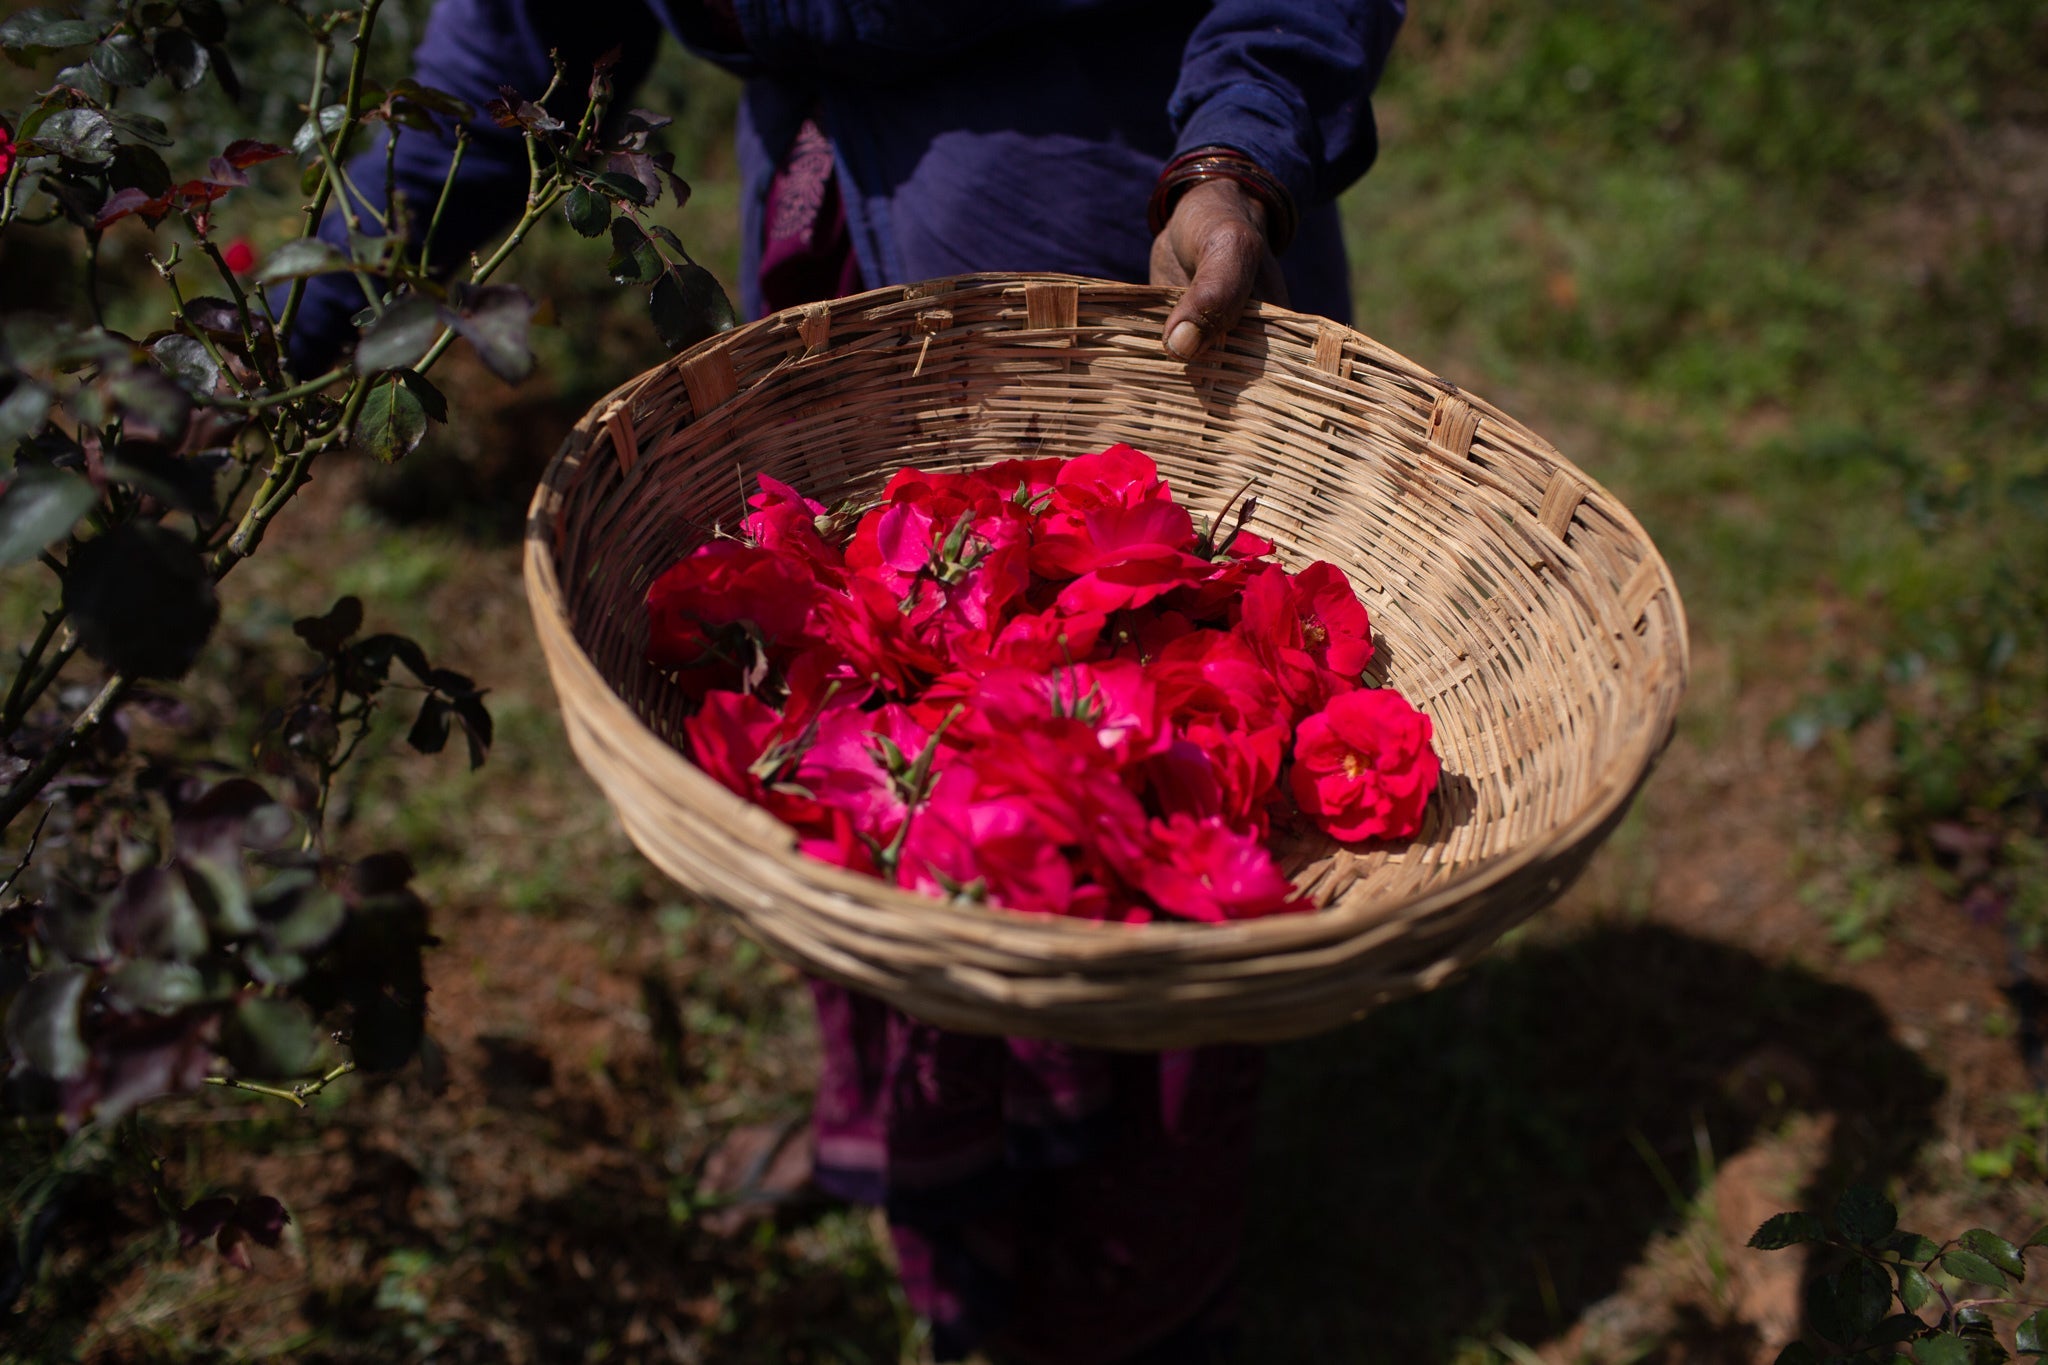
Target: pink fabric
{"x": 807, "y": 254}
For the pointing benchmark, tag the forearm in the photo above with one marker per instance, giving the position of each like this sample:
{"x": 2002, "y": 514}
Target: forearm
{"x": 1289, "y": 85}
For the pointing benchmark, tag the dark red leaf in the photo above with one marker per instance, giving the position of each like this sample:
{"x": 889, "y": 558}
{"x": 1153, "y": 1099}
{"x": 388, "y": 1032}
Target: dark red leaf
{"x": 219, "y": 171}
{"x": 121, "y": 203}
{"x": 203, "y": 1220}
{"x": 247, "y": 151}
{"x": 263, "y": 1218}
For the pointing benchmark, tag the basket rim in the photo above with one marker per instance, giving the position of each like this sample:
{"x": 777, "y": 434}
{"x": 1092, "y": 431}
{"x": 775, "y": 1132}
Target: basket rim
{"x": 1105, "y": 946}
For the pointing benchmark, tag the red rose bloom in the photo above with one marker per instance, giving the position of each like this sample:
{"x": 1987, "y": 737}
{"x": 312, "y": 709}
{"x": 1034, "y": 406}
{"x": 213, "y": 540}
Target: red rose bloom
{"x": 1034, "y": 685}
{"x": 726, "y": 584}
{"x": 1363, "y": 768}
{"x": 1204, "y": 870}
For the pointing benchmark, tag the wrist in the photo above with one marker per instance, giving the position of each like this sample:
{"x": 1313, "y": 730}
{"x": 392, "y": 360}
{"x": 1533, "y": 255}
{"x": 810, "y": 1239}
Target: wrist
{"x": 1208, "y": 165}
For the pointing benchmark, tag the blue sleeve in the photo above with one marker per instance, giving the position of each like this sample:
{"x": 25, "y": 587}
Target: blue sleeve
{"x": 1289, "y": 83}
{"x": 885, "y": 39}
{"x": 470, "y": 49}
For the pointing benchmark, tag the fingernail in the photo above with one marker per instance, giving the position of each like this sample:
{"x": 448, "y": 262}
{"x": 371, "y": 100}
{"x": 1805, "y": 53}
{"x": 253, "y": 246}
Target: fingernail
{"x": 1185, "y": 340}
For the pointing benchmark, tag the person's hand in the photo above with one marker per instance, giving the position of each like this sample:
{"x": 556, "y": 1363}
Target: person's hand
{"x": 1215, "y": 244}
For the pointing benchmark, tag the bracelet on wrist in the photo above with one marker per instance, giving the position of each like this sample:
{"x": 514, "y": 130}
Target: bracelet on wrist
{"x": 1189, "y": 169}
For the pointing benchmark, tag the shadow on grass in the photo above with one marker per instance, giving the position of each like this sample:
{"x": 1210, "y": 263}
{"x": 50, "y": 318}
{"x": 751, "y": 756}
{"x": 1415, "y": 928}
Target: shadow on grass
{"x": 605, "y": 1273}
{"x": 1490, "y": 1159}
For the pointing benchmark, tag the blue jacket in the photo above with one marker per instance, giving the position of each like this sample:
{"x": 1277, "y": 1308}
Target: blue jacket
{"x": 970, "y": 134}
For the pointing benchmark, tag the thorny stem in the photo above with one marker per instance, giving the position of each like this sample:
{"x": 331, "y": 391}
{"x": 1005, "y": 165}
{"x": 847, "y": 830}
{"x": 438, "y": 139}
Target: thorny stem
{"x": 290, "y": 395}
{"x": 18, "y": 698}
{"x": 550, "y": 195}
{"x": 31, "y": 783}
{"x": 390, "y": 173}
{"x": 27, "y": 854}
{"x": 316, "y": 210}
{"x": 297, "y": 1094}
{"x": 242, "y": 311}
{"x": 169, "y": 270}
{"x": 288, "y": 474}
{"x": 92, "y": 276}
{"x": 7, "y": 192}
{"x": 40, "y": 682}
{"x": 441, "y": 204}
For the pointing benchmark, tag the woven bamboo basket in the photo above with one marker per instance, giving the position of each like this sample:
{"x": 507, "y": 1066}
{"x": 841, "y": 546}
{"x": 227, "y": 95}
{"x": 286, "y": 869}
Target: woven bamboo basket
{"x": 1512, "y": 598}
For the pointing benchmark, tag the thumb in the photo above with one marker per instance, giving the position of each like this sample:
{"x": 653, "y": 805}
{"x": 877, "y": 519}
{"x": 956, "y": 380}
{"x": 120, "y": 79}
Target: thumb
{"x": 1226, "y": 269}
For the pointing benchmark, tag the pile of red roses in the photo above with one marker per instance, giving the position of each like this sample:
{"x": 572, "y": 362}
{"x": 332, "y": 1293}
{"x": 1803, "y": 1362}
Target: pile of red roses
{"x": 1039, "y": 685}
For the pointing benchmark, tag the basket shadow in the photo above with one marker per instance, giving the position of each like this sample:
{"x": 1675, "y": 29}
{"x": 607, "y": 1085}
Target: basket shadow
{"x": 1492, "y": 1158}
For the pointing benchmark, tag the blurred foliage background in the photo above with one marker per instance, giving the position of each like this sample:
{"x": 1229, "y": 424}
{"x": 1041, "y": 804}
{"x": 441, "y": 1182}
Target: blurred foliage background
{"x": 1776, "y": 271}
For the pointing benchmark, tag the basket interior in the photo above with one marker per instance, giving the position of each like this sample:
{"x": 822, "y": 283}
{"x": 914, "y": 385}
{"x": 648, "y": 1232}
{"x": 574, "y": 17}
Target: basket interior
{"x": 1512, "y": 600}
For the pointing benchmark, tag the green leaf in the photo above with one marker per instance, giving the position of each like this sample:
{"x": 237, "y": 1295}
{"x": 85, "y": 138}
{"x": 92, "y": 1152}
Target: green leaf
{"x": 1798, "y": 1353}
{"x": 1894, "y": 1329}
{"x": 22, "y": 412}
{"x": 186, "y": 484}
{"x": 2031, "y": 1336}
{"x": 158, "y": 987}
{"x": 626, "y": 187}
{"x": 273, "y": 967}
{"x": 139, "y": 128}
{"x": 687, "y": 305}
{"x": 139, "y": 169}
{"x": 634, "y": 259}
{"x": 40, "y": 506}
{"x": 86, "y": 82}
{"x": 1996, "y": 1250}
{"x": 78, "y": 930}
{"x": 1916, "y": 1291}
{"x": 392, "y": 422}
{"x": 1968, "y": 1265}
{"x": 1942, "y": 1351}
{"x": 397, "y": 340}
{"x": 1787, "y": 1229}
{"x": 42, "y": 1024}
{"x": 148, "y": 398}
{"x": 1911, "y": 1246}
{"x": 81, "y": 135}
{"x": 1824, "y": 1312}
{"x": 299, "y": 259}
{"x": 1864, "y": 1215}
{"x": 41, "y": 28}
{"x": 588, "y": 213}
{"x": 271, "y": 1039}
{"x": 123, "y": 60}
{"x": 142, "y": 600}
{"x": 306, "y": 921}
{"x": 224, "y": 72}
{"x": 185, "y": 61}
{"x": 206, "y": 19}
{"x": 432, "y": 401}
{"x": 1863, "y": 1293}
{"x": 187, "y": 361}
{"x": 439, "y": 101}
{"x": 313, "y": 129}
{"x": 495, "y": 319}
